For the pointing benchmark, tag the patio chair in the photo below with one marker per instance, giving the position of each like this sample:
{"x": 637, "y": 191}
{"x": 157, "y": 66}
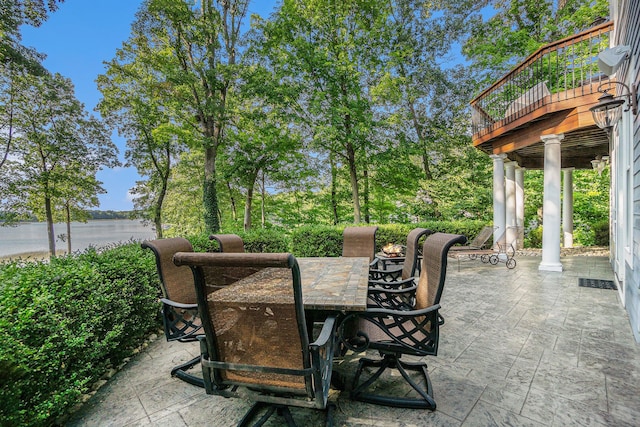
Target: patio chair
{"x": 359, "y": 242}
{"x": 179, "y": 308}
{"x": 229, "y": 243}
{"x": 257, "y": 347}
{"x": 410, "y": 324}
{"x": 405, "y": 272}
{"x": 478, "y": 242}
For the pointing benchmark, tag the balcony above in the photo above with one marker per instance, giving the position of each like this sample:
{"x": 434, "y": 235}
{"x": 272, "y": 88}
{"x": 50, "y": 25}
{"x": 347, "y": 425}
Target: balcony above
{"x": 548, "y": 93}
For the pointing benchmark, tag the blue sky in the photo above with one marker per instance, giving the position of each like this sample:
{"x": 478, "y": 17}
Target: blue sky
{"x": 77, "y": 39}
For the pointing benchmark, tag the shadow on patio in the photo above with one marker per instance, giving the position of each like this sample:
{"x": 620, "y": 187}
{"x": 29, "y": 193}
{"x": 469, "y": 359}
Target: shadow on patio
{"x": 518, "y": 347}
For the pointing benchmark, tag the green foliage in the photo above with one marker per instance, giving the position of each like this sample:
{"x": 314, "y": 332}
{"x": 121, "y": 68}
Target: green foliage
{"x": 266, "y": 240}
{"x": 312, "y": 241}
{"x": 64, "y": 323}
{"x": 590, "y": 205}
{"x": 59, "y": 150}
{"x": 601, "y": 233}
{"x": 308, "y": 241}
{"x": 255, "y": 240}
{"x": 533, "y": 239}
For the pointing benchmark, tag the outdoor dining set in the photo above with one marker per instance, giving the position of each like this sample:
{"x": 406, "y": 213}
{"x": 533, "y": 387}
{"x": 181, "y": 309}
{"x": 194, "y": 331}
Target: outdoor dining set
{"x": 271, "y": 326}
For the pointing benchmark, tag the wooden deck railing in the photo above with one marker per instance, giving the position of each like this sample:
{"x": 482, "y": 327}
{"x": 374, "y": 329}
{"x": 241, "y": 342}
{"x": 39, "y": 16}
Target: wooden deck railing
{"x": 559, "y": 71}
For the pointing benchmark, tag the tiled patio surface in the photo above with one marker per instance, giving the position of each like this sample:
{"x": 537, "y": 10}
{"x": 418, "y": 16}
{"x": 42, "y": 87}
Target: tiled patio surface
{"x": 519, "y": 347}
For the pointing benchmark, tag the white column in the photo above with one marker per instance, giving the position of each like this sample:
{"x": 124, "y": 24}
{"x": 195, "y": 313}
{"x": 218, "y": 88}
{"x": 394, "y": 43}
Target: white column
{"x": 520, "y": 206}
{"x": 499, "y": 212}
{"x": 551, "y": 204}
{"x": 510, "y": 198}
{"x": 567, "y": 207}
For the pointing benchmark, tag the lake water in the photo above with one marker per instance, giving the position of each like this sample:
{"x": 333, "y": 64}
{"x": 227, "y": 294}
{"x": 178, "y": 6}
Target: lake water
{"x": 32, "y": 236}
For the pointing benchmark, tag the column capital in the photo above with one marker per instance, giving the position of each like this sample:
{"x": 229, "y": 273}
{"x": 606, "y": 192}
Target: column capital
{"x": 495, "y": 157}
{"x": 510, "y": 164}
{"x": 552, "y": 139}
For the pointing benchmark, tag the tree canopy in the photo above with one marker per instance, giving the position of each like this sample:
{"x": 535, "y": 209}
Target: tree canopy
{"x": 324, "y": 112}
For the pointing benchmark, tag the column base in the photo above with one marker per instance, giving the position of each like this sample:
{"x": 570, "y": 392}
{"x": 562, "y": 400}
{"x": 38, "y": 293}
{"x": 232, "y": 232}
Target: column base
{"x": 550, "y": 266}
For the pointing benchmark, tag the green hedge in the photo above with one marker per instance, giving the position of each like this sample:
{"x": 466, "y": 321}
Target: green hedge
{"x": 260, "y": 240}
{"x": 312, "y": 241}
{"x": 63, "y": 324}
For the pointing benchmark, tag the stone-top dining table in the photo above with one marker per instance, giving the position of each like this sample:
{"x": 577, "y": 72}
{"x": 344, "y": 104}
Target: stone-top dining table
{"x": 328, "y": 284}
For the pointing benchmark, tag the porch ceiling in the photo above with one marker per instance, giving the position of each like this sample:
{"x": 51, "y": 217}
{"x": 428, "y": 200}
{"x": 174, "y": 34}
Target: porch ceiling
{"x": 578, "y": 148}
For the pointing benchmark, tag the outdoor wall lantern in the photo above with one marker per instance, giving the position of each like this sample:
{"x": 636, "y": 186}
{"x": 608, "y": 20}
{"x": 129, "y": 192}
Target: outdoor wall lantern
{"x": 599, "y": 163}
{"x": 608, "y": 110}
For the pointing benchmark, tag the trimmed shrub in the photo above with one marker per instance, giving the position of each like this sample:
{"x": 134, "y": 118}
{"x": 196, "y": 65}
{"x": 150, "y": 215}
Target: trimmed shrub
{"x": 317, "y": 241}
{"x": 258, "y": 240}
{"x": 601, "y": 233}
{"x": 64, "y": 323}
{"x": 310, "y": 241}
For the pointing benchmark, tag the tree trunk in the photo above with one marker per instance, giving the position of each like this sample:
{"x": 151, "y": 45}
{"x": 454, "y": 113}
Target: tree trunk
{"x": 247, "y": 209}
{"x": 50, "y": 233}
{"x": 334, "y": 202}
{"x": 68, "y": 219}
{"x": 157, "y": 210}
{"x": 234, "y": 212}
{"x": 353, "y": 175}
{"x": 210, "y": 196}
{"x": 263, "y": 196}
{"x": 365, "y": 195}
{"x": 351, "y": 157}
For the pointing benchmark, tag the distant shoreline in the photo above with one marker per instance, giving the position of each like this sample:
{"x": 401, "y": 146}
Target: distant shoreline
{"x": 31, "y": 256}
{"x": 29, "y": 240}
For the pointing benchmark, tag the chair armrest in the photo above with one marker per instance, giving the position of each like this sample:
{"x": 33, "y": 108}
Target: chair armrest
{"x": 415, "y": 331}
{"x": 391, "y": 275}
{"x": 382, "y": 284}
{"x": 382, "y": 312}
{"x": 326, "y": 333}
{"x": 394, "y": 299}
{"x": 178, "y": 304}
{"x": 321, "y": 352}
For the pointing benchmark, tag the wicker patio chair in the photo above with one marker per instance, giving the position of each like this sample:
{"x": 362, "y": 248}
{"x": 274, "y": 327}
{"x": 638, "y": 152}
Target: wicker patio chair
{"x": 410, "y": 324}
{"x": 256, "y": 346}
{"x": 179, "y": 308}
{"x": 404, "y": 273}
{"x": 229, "y": 243}
{"x": 360, "y": 242}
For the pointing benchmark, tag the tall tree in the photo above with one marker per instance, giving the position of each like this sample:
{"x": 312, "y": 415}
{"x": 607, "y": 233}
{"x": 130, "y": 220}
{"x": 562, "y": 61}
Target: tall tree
{"x": 133, "y": 102}
{"x": 327, "y": 49}
{"x": 194, "y": 47}
{"x": 55, "y": 132}
{"x": 13, "y": 14}
{"x": 76, "y": 197}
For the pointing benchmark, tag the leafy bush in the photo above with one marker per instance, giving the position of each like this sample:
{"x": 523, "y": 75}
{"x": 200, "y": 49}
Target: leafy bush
{"x": 533, "y": 239}
{"x": 258, "y": 240}
{"x": 320, "y": 240}
{"x": 64, "y": 323}
{"x": 601, "y": 233}
{"x": 311, "y": 241}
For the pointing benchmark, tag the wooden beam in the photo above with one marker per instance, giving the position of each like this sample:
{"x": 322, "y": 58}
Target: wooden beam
{"x": 531, "y": 134}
